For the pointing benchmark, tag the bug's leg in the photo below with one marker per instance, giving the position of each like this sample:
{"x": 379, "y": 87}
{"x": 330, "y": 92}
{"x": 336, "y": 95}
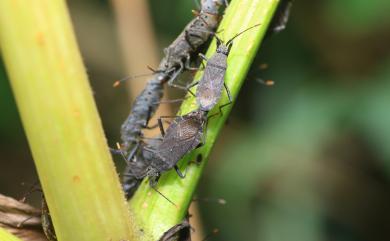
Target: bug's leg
{"x": 187, "y": 64}
{"x": 226, "y": 3}
{"x": 229, "y": 97}
{"x": 181, "y": 175}
{"x": 153, "y": 181}
{"x": 132, "y": 152}
{"x": 148, "y": 116}
{"x": 115, "y": 151}
{"x": 190, "y": 86}
{"x": 130, "y": 185}
{"x": 186, "y": 88}
{"x": 170, "y": 101}
{"x": 203, "y": 57}
{"x": 145, "y": 148}
{"x": 155, "y": 126}
{"x": 280, "y": 19}
{"x": 222, "y": 106}
{"x": 170, "y": 82}
{"x": 205, "y": 132}
{"x": 178, "y": 86}
{"x": 160, "y": 124}
{"x": 228, "y": 93}
{"x": 176, "y": 73}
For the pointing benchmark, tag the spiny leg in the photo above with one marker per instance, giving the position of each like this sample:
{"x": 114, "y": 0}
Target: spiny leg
{"x": 160, "y": 124}
{"x": 203, "y": 57}
{"x": 229, "y": 97}
{"x": 132, "y": 152}
{"x": 187, "y": 64}
{"x": 181, "y": 175}
{"x": 176, "y": 73}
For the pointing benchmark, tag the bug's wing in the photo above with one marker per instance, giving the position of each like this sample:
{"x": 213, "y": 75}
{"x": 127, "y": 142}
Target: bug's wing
{"x": 210, "y": 87}
{"x": 182, "y": 138}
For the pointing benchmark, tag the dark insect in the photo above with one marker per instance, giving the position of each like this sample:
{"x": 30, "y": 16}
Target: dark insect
{"x": 186, "y": 132}
{"x": 20, "y": 218}
{"x": 210, "y": 86}
{"x": 138, "y": 168}
{"x": 45, "y": 220}
{"x": 176, "y": 60}
{"x": 47, "y": 224}
{"x": 195, "y": 34}
{"x": 179, "y": 232}
{"x": 280, "y": 18}
{"x": 145, "y": 105}
{"x": 183, "y": 135}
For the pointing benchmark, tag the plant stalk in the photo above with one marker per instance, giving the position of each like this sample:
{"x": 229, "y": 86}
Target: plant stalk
{"x": 6, "y": 236}
{"x": 61, "y": 121}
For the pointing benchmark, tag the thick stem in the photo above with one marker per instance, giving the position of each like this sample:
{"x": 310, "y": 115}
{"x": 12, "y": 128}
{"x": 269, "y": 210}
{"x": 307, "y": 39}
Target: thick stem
{"x": 6, "y": 236}
{"x": 61, "y": 121}
{"x": 154, "y": 215}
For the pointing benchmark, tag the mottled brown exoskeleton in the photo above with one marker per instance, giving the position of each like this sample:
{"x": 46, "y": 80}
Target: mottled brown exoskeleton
{"x": 183, "y": 135}
{"x": 210, "y": 86}
{"x": 175, "y": 61}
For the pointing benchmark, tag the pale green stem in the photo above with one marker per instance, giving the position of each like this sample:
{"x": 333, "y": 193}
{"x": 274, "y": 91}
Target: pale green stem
{"x": 6, "y": 236}
{"x": 61, "y": 121}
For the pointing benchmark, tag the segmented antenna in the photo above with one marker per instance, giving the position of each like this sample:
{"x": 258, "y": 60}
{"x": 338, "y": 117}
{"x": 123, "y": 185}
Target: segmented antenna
{"x": 120, "y": 150}
{"x": 155, "y": 189}
{"x": 235, "y": 36}
{"x": 21, "y": 223}
{"x": 33, "y": 188}
{"x": 118, "y": 82}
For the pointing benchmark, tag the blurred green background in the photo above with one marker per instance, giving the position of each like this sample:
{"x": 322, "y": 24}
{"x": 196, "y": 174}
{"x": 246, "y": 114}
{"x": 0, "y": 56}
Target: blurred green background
{"x": 307, "y": 159}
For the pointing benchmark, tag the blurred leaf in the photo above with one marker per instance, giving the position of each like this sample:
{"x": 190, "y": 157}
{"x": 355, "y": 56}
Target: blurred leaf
{"x": 357, "y": 15}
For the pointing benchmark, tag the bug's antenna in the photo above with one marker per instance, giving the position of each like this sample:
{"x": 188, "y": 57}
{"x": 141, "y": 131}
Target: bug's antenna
{"x": 155, "y": 189}
{"x": 33, "y": 188}
{"x": 120, "y": 151}
{"x": 235, "y": 36}
{"x": 21, "y": 223}
{"x": 118, "y": 82}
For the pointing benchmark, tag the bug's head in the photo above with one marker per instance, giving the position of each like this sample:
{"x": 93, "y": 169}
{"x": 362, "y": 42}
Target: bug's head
{"x": 225, "y": 48}
{"x": 152, "y": 172}
{"x": 222, "y": 47}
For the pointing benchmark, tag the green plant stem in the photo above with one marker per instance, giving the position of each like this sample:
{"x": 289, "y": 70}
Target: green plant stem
{"x": 154, "y": 215}
{"x": 6, "y": 236}
{"x": 61, "y": 121}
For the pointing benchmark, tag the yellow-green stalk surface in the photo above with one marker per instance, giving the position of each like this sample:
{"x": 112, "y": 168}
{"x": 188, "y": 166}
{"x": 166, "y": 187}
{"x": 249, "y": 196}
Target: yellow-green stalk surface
{"x": 6, "y": 236}
{"x": 61, "y": 121}
{"x": 154, "y": 215}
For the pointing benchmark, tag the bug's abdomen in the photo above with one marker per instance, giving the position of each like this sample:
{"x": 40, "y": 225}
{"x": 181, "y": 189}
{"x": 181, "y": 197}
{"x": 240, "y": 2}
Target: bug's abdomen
{"x": 211, "y": 85}
{"x": 144, "y": 107}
